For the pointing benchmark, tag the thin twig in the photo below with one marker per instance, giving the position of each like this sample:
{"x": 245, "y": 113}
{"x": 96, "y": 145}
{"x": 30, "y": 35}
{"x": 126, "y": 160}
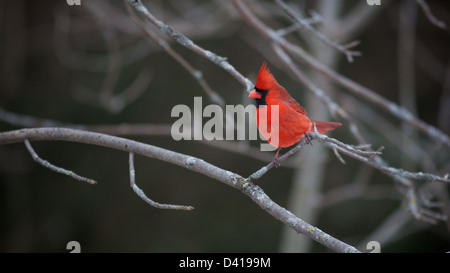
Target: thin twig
{"x": 54, "y": 168}
{"x": 350, "y": 148}
{"x": 259, "y": 173}
{"x": 345, "y": 49}
{"x": 188, "y": 43}
{"x": 360, "y": 155}
{"x": 316, "y": 18}
{"x": 336, "y": 153}
{"x": 426, "y": 9}
{"x": 142, "y": 195}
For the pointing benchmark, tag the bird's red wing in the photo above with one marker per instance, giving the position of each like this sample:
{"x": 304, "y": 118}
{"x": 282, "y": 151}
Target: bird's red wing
{"x": 296, "y": 106}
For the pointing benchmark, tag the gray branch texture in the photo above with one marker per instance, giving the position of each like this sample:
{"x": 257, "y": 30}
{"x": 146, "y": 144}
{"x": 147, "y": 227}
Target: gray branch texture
{"x": 121, "y": 66}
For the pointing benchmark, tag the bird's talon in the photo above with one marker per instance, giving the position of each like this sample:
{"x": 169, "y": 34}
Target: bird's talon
{"x": 276, "y": 163}
{"x": 308, "y": 139}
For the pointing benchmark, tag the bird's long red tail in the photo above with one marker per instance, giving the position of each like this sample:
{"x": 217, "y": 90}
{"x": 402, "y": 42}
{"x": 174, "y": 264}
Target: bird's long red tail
{"x": 324, "y": 126}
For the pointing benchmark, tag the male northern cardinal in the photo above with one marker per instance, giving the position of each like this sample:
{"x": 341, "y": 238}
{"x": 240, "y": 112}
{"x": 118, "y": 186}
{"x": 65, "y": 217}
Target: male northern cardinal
{"x": 293, "y": 123}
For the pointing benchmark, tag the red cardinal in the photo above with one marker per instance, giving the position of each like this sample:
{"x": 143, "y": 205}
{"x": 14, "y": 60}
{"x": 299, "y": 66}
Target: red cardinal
{"x": 293, "y": 123}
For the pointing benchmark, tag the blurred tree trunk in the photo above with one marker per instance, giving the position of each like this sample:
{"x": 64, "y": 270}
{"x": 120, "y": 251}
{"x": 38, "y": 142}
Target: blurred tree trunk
{"x": 309, "y": 177}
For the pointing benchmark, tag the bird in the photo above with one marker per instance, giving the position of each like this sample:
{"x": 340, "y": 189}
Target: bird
{"x": 293, "y": 122}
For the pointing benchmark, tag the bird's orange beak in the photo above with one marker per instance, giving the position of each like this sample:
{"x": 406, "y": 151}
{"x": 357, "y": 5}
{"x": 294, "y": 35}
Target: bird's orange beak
{"x": 254, "y": 95}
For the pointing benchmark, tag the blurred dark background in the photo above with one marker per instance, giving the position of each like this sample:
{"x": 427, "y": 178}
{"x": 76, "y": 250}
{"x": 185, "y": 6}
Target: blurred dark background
{"x": 56, "y": 60}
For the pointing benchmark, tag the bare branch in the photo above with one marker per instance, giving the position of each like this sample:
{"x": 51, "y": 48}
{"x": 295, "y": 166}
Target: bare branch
{"x": 54, "y": 168}
{"x": 188, "y": 43}
{"x": 364, "y": 156}
{"x": 192, "y": 163}
{"x": 360, "y": 155}
{"x": 142, "y": 195}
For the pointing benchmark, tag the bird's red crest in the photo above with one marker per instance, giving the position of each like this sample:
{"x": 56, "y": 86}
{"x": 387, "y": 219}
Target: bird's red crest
{"x": 265, "y": 79}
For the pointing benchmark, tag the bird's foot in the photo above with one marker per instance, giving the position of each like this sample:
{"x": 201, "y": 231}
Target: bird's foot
{"x": 308, "y": 139}
{"x": 276, "y": 162}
